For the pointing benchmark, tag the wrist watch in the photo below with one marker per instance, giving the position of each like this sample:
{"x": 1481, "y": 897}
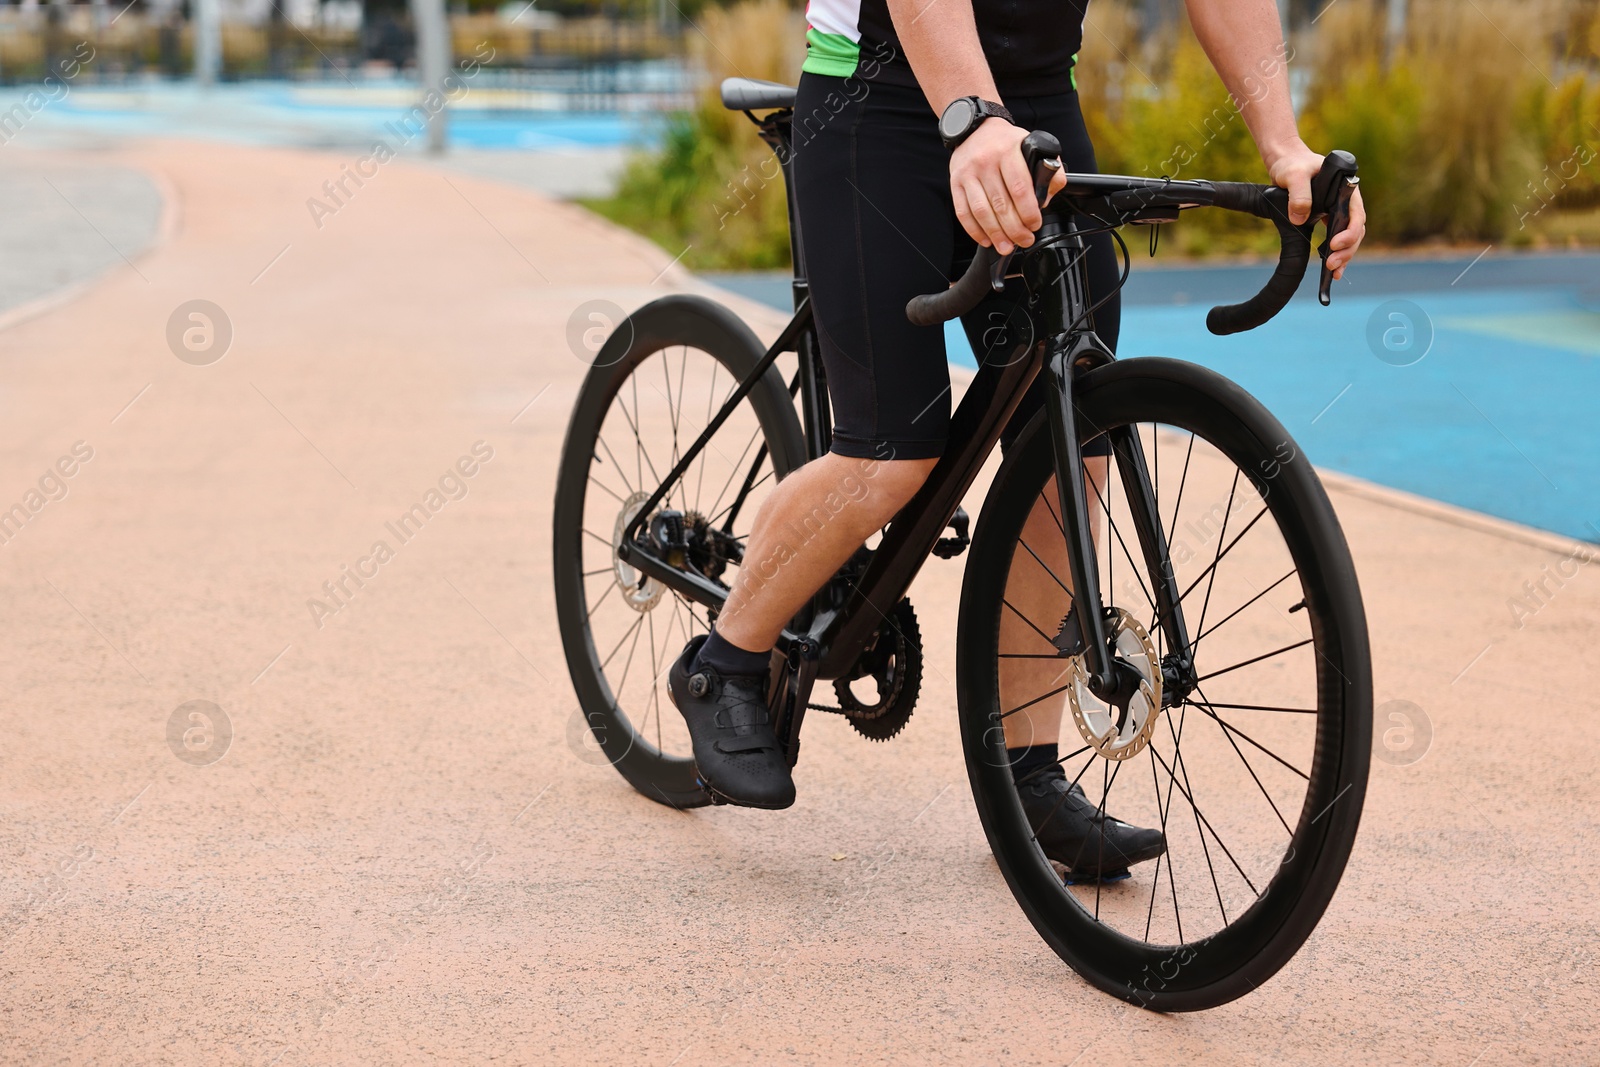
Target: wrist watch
{"x": 965, "y": 114}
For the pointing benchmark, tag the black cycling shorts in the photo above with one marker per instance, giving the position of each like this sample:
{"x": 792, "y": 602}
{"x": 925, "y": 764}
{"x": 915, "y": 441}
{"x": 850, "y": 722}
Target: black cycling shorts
{"x": 878, "y": 227}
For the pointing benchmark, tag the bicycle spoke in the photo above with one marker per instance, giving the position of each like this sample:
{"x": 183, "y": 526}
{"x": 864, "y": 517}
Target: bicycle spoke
{"x": 1183, "y": 480}
{"x": 1194, "y": 645}
{"x": 1222, "y": 535}
{"x": 1227, "y": 732}
{"x": 609, "y": 590}
{"x": 1046, "y": 567}
{"x": 735, "y": 467}
{"x": 1155, "y": 884}
{"x": 1105, "y": 795}
{"x": 689, "y": 606}
{"x": 641, "y": 456}
{"x": 655, "y": 690}
{"x": 633, "y": 423}
{"x": 1047, "y": 638}
{"x": 1188, "y": 791}
{"x": 1053, "y": 516}
{"x": 1263, "y": 707}
{"x": 1035, "y": 700}
{"x": 636, "y": 624}
{"x": 1172, "y": 865}
{"x": 621, "y": 471}
{"x": 672, "y": 409}
{"x": 1202, "y": 820}
{"x": 734, "y": 502}
{"x": 1255, "y": 659}
{"x": 1204, "y": 707}
{"x": 1221, "y": 555}
{"x": 1149, "y": 597}
{"x": 700, "y": 481}
{"x": 608, "y": 490}
{"x": 655, "y": 679}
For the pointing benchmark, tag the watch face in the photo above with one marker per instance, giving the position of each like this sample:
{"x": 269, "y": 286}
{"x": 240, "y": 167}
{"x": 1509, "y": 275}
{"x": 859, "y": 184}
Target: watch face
{"x": 957, "y": 118}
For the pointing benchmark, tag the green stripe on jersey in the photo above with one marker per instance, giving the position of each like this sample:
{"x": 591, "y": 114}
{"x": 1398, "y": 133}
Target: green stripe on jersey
{"x": 832, "y": 54}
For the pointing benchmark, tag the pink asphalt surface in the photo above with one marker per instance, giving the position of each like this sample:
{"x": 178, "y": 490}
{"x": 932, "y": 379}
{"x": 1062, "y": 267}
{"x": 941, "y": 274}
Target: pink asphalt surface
{"x": 407, "y": 854}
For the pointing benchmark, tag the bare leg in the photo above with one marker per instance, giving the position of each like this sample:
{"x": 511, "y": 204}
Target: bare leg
{"x": 1042, "y": 598}
{"x": 809, "y": 525}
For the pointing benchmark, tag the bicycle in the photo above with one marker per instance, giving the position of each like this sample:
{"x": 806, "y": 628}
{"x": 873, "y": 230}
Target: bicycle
{"x": 1242, "y": 679}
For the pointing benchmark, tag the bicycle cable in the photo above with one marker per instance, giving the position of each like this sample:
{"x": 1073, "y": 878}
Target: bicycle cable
{"x": 1105, "y": 227}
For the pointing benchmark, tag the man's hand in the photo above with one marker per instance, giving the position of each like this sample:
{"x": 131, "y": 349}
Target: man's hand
{"x": 1293, "y": 170}
{"x": 993, "y": 190}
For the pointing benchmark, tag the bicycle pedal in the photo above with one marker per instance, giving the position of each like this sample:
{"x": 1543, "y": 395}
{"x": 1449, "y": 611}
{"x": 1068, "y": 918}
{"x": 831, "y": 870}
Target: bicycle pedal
{"x": 951, "y": 547}
{"x": 1121, "y": 874}
{"x": 716, "y": 797}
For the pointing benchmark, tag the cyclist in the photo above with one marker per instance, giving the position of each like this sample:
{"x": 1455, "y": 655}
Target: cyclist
{"x": 909, "y": 118}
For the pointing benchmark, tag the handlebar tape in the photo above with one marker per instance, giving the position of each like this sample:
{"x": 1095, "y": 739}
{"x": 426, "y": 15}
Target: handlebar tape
{"x": 1267, "y": 202}
{"x": 1040, "y": 150}
{"x": 934, "y": 308}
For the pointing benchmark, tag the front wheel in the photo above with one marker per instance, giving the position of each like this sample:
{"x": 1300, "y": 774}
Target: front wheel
{"x": 1254, "y": 765}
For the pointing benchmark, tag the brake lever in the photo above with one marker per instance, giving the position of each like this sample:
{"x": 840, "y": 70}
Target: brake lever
{"x": 1046, "y": 151}
{"x": 1331, "y": 191}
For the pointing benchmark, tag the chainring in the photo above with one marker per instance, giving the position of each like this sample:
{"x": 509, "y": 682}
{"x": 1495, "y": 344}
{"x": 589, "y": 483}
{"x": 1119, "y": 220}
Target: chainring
{"x": 894, "y": 663}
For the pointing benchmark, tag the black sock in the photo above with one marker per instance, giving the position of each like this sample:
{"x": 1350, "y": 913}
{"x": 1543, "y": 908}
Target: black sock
{"x": 725, "y": 657}
{"x": 1030, "y": 758}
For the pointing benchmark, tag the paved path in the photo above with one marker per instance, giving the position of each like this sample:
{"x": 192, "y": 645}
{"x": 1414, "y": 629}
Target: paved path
{"x": 402, "y": 856}
{"x": 66, "y": 221}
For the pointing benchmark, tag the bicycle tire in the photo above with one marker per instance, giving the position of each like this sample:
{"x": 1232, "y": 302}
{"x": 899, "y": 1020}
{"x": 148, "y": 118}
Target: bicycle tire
{"x": 690, "y": 323}
{"x": 1244, "y": 953}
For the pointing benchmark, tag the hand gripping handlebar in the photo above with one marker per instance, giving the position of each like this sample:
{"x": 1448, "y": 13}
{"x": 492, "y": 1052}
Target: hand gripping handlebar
{"x": 1331, "y": 191}
{"x": 987, "y": 272}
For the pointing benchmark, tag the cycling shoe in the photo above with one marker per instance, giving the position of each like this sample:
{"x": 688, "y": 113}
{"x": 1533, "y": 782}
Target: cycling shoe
{"x": 1074, "y": 833}
{"x": 735, "y": 749}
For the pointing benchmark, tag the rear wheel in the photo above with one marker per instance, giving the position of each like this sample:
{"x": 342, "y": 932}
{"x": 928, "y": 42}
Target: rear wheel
{"x": 656, "y": 384}
{"x": 1254, "y": 766}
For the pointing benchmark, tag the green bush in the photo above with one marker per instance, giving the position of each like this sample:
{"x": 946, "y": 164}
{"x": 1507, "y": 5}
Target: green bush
{"x": 713, "y": 190}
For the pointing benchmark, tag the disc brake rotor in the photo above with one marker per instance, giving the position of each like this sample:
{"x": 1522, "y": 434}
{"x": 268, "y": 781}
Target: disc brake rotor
{"x": 641, "y": 593}
{"x": 1118, "y": 733}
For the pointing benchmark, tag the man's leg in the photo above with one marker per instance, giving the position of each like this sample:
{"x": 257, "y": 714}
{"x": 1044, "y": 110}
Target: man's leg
{"x": 808, "y": 527}
{"x": 873, "y": 201}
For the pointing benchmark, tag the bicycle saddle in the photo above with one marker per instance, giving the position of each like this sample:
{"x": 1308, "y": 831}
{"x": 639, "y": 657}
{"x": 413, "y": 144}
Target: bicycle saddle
{"x": 750, "y": 94}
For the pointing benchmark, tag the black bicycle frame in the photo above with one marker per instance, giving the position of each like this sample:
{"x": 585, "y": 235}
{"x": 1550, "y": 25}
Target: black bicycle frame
{"x": 832, "y": 638}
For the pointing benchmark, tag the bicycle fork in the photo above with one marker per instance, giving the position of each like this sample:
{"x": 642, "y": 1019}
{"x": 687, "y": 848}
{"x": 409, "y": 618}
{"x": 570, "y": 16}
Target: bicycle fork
{"x": 1107, "y": 679}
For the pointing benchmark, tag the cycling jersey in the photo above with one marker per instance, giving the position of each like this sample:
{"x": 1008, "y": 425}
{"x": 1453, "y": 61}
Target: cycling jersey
{"x": 1031, "y": 45}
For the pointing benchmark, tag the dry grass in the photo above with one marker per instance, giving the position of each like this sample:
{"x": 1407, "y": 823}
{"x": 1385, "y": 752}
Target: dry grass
{"x": 1481, "y": 123}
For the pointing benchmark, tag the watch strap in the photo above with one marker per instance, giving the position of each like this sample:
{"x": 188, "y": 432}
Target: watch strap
{"x": 991, "y": 110}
